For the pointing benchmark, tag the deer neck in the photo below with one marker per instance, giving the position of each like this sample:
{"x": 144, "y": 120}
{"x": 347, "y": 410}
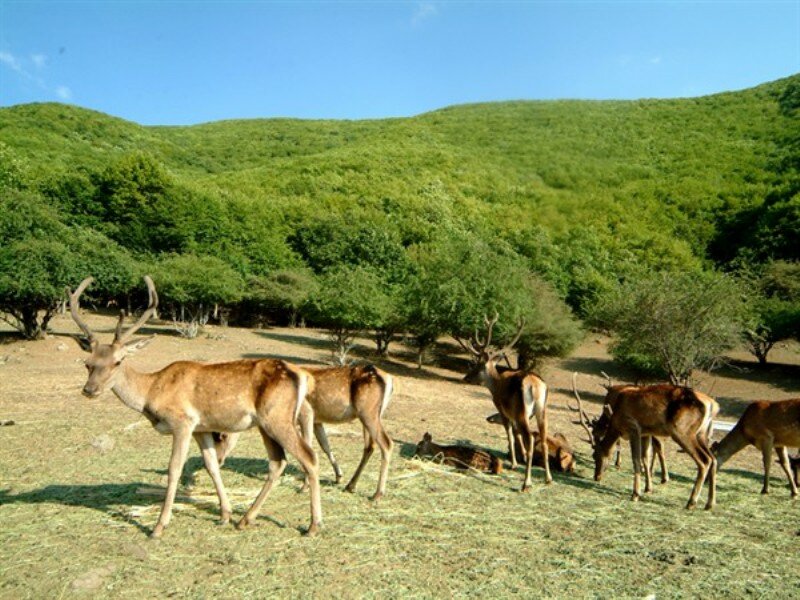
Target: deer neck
{"x": 730, "y": 445}
{"x": 491, "y": 377}
{"x": 132, "y": 387}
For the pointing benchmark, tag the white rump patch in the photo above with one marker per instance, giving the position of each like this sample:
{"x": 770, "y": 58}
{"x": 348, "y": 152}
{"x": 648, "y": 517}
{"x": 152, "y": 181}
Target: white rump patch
{"x": 388, "y": 384}
{"x": 302, "y": 389}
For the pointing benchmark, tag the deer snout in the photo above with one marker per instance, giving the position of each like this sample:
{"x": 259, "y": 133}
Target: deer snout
{"x": 90, "y": 391}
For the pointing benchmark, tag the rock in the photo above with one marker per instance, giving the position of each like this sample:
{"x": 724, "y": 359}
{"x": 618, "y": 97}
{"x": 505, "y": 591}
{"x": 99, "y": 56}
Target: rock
{"x": 93, "y": 579}
{"x": 103, "y": 443}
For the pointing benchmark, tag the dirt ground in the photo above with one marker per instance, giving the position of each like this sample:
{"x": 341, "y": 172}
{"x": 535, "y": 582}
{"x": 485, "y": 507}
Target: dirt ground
{"x": 80, "y": 481}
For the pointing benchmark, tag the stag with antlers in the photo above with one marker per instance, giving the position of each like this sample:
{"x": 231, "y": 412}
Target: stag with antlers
{"x": 190, "y": 399}
{"x": 665, "y": 410}
{"x": 766, "y": 425}
{"x": 595, "y": 429}
{"x": 517, "y": 395}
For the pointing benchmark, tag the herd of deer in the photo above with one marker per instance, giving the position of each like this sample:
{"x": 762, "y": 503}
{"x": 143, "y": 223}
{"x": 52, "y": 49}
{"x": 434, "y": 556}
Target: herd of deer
{"x": 214, "y": 403}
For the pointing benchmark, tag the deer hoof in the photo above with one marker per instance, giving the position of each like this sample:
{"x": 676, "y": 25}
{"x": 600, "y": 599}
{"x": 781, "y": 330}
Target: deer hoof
{"x": 636, "y": 498}
{"x": 157, "y": 532}
{"x": 526, "y": 488}
{"x": 224, "y": 518}
{"x": 376, "y": 496}
{"x": 690, "y": 505}
{"x": 710, "y": 506}
{"x": 242, "y": 524}
{"x": 764, "y": 492}
{"x": 313, "y": 530}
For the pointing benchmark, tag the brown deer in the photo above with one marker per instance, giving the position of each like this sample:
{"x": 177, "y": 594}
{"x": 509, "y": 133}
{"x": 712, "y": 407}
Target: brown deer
{"x": 342, "y": 394}
{"x": 559, "y": 451}
{"x": 518, "y": 396}
{"x": 190, "y": 399}
{"x": 461, "y": 457}
{"x": 654, "y": 448}
{"x": 766, "y": 425}
{"x": 641, "y": 413}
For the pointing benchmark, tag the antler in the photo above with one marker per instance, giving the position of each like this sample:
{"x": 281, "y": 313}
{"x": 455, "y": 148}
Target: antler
{"x": 119, "y": 336}
{"x": 582, "y": 413}
{"x": 509, "y": 346}
{"x": 608, "y": 385}
{"x": 74, "y": 306}
{"x": 474, "y": 345}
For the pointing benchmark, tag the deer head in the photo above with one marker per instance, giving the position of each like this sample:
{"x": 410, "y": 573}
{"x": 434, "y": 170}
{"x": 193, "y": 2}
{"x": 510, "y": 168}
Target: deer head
{"x": 424, "y": 448}
{"x": 485, "y": 357}
{"x": 105, "y": 359}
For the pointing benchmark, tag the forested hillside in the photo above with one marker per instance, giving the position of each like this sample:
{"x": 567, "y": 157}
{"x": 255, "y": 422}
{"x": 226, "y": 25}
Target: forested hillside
{"x": 574, "y": 193}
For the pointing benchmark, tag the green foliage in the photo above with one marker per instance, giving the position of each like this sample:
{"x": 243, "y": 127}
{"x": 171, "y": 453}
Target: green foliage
{"x": 774, "y": 300}
{"x": 41, "y": 256}
{"x": 349, "y": 299}
{"x": 283, "y": 291}
{"x": 13, "y": 170}
{"x": 670, "y": 324}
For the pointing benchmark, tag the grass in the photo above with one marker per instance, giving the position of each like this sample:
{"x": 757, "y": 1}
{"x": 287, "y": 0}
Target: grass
{"x": 75, "y": 516}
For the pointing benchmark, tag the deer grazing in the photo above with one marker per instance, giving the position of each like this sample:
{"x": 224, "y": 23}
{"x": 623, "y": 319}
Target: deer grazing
{"x": 559, "y": 451}
{"x": 342, "y": 394}
{"x": 190, "y": 399}
{"x": 518, "y": 396}
{"x": 766, "y": 425}
{"x": 654, "y": 447}
{"x": 461, "y": 457}
{"x": 640, "y": 413}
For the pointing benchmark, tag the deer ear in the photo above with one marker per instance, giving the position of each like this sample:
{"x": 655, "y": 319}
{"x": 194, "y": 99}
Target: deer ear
{"x": 427, "y": 437}
{"x": 607, "y": 410}
{"x": 83, "y": 342}
{"x": 135, "y": 345}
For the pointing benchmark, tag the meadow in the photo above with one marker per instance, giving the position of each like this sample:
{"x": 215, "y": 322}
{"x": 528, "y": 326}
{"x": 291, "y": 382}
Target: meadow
{"x": 81, "y": 481}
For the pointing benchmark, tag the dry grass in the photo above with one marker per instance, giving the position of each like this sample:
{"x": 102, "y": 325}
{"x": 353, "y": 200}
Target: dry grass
{"x": 75, "y": 508}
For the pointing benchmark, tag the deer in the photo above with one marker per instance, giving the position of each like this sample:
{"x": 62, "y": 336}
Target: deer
{"x": 766, "y": 425}
{"x": 518, "y": 395}
{"x": 461, "y": 457}
{"x": 664, "y": 410}
{"x": 559, "y": 451}
{"x": 591, "y": 426}
{"x": 189, "y": 399}
{"x": 341, "y": 395}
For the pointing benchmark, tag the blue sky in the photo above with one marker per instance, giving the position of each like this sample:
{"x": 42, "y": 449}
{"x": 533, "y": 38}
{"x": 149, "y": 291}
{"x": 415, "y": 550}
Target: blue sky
{"x": 190, "y": 62}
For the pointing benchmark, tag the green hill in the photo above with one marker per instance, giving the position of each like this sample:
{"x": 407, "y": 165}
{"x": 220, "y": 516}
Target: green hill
{"x": 647, "y": 179}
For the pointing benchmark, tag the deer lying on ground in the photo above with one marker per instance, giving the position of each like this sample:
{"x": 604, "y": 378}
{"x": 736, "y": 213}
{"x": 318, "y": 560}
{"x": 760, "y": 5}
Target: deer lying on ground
{"x": 559, "y": 452}
{"x": 654, "y": 447}
{"x": 461, "y": 457}
{"x": 766, "y": 425}
{"x": 641, "y": 413}
{"x": 189, "y": 399}
{"x": 518, "y": 396}
{"x": 342, "y": 394}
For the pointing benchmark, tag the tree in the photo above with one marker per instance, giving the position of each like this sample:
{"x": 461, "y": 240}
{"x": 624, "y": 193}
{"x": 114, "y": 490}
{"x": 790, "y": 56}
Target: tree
{"x": 285, "y": 291}
{"x": 191, "y": 287}
{"x": 673, "y": 323}
{"x": 774, "y": 301}
{"x": 42, "y": 256}
{"x": 349, "y": 300}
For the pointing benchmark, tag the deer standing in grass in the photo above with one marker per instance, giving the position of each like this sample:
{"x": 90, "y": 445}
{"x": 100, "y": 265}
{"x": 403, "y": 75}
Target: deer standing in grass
{"x": 518, "y": 396}
{"x": 653, "y": 446}
{"x": 640, "y": 413}
{"x": 341, "y": 395}
{"x": 190, "y": 399}
{"x": 766, "y": 425}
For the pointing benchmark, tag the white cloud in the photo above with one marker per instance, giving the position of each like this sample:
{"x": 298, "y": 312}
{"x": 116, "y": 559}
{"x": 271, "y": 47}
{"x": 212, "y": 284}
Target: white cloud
{"x": 39, "y": 60}
{"x": 11, "y": 62}
{"x": 423, "y": 12}
{"x": 64, "y": 92}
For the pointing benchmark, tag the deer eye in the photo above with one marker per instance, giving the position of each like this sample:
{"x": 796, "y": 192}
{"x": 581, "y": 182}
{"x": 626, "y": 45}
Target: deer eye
{"x": 118, "y": 363}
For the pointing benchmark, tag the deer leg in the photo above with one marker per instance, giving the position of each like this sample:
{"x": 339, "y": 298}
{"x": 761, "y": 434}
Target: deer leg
{"x": 277, "y": 463}
{"x": 662, "y": 459}
{"x": 369, "y": 448}
{"x": 180, "y": 448}
{"x": 783, "y": 459}
{"x": 618, "y": 458}
{"x": 305, "y": 421}
{"x": 295, "y": 445}
{"x": 207, "y": 447}
{"x": 636, "y": 455}
{"x": 766, "y": 455}
{"x": 510, "y": 435}
{"x": 691, "y": 447}
{"x": 540, "y": 409}
{"x": 647, "y": 451}
{"x": 376, "y": 431}
{"x": 711, "y": 460}
{"x": 528, "y": 436}
{"x": 225, "y": 445}
{"x": 322, "y": 438}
